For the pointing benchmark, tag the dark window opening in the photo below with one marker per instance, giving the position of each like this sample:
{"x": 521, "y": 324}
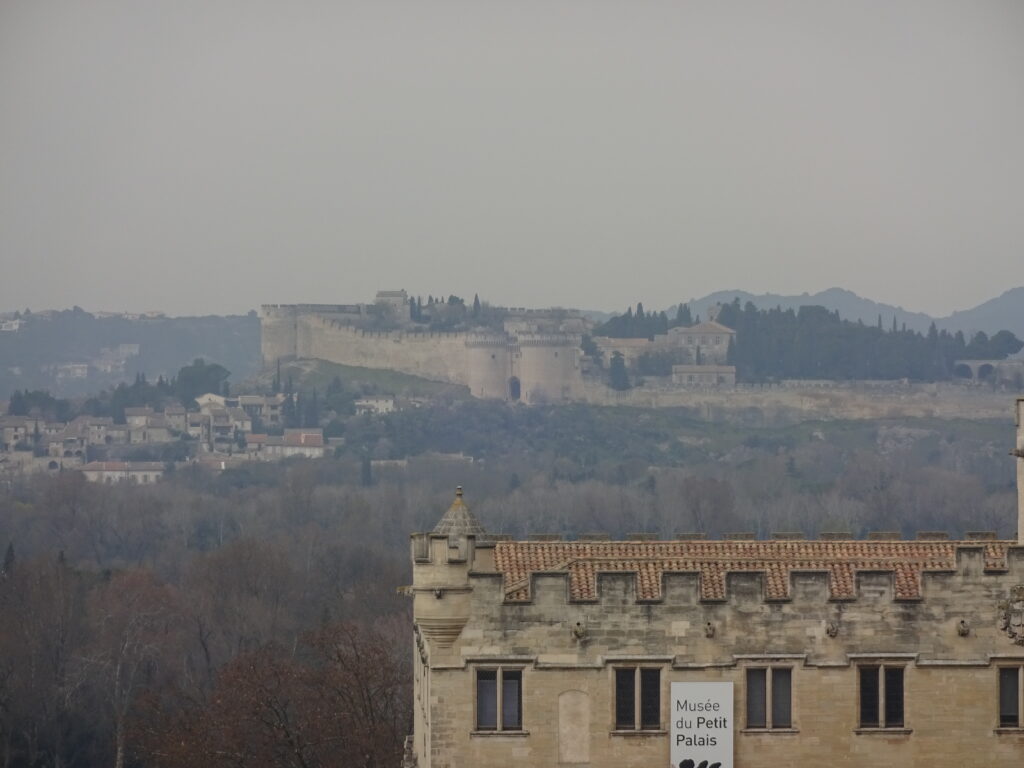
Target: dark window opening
{"x": 782, "y": 701}
{"x": 776, "y": 683}
{"x": 1009, "y": 697}
{"x": 487, "y": 699}
{"x": 511, "y": 700}
{"x": 499, "y": 699}
{"x": 881, "y": 696}
{"x": 894, "y": 697}
{"x": 757, "y": 697}
{"x": 637, "y": 686}
{"x": 869, "y": 697}
{"x": 650, "y": 699}
{"x": 625, "y": 699}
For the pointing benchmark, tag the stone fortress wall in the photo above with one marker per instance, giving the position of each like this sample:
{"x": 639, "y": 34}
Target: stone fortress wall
{"x": 435, "y": 356}
{"x": 532, "y": 361}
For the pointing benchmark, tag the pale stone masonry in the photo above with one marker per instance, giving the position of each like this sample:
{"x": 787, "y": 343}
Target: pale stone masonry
{"x": 519, "y": 647}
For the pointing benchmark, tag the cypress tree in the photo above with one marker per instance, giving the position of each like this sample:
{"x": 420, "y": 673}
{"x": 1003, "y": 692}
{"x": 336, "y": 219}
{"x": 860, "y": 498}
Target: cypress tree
{"x": 617, "y": 376}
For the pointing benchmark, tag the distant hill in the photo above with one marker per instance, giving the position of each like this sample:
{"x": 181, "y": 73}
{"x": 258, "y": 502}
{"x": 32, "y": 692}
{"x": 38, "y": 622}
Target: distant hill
{"x": 73, "y": 352}
{"x": 1003, "y": 313}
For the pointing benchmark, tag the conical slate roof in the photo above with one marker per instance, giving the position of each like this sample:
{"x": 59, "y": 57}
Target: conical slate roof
{"x": 458, "y": 520}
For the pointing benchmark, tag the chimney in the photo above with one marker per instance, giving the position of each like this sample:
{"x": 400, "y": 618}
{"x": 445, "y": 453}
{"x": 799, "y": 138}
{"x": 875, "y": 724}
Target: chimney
{"x": 1019, "y": 453}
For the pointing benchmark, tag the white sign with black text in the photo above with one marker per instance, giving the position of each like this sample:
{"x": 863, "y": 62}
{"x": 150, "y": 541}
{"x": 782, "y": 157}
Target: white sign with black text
{"x": 702, "y": 718}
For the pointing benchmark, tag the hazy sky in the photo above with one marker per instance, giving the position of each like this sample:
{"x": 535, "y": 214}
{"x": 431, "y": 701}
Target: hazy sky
{"x": 208, "y": 156}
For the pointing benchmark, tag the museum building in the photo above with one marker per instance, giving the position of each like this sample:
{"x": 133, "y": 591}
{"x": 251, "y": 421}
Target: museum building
{"x": 735, "y": 652}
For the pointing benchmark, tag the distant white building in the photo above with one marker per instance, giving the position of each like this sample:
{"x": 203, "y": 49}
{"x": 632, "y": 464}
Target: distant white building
{"x": 109, "y": 472}
{"x": 375, "y": 405}
{"x": 704, "y": 375}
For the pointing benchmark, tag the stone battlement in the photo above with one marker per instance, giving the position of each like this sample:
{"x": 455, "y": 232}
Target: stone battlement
{"x": 712, "y": 571}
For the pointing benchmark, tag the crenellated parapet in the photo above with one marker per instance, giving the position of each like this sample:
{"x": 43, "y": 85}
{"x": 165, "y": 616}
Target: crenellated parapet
{"x": 488, "y": 340}
{"x": 548, "y": 340}
{"x": 838, "y": 564}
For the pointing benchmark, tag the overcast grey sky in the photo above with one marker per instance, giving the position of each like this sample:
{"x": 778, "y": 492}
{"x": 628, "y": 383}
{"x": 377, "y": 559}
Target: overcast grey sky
{"x": 205, "y": 156}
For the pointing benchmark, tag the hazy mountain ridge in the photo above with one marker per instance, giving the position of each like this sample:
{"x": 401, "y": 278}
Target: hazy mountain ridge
{"x": 1004, "y": 312}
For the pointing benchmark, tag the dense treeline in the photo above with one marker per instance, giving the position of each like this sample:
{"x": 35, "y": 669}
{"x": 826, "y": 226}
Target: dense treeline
{"x": 250, "y": 619}
{"x": 192, "y": 380}
{"x": 643, "y": 325}
{"x": 813, "y": 343}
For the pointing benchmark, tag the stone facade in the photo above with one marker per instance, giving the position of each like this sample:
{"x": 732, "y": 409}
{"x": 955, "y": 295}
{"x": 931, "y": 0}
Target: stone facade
{"x": 534, "y": 360}
{"x": 948, "y": 640}
{"x": 553, "y": 625}
{"x": 682, "y": 344}
{"x": 704, "y": 375}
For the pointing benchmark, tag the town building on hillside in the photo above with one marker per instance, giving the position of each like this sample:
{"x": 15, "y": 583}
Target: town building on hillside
{"x": 294, "y": 442}
{"x": 267, "y": 408}
{"x": 199, "y": 427}
{"x": 375, "y": 406}
{"x": 177, "y": 418}
{"x": 739, "y": 652}
{"x": 704, "y": 375}
{"x": 137, "y": 417}
{"x": 108, "y": 472}
{"x": 705, "y": 343}
{"x": 19, "y": 431}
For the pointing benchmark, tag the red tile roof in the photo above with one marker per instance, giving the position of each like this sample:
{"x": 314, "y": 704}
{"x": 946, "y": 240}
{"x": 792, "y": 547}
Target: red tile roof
{"x": 712, "y": 560}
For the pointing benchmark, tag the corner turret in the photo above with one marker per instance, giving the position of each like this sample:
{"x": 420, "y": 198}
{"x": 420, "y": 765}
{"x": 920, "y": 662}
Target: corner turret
{"x": 459, "y": 520}
{"x": 441, "y": 563}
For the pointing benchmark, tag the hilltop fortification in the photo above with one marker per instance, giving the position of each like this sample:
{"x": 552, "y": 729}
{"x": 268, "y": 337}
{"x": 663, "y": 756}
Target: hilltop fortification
{"x": 533, "y": 358}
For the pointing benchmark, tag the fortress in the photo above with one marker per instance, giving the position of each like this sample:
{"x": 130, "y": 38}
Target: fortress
{"x": 534, "y": 358}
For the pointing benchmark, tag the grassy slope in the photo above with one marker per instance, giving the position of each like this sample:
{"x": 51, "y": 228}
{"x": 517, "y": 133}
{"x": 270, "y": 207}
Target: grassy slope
{"x": 317, "y": 374}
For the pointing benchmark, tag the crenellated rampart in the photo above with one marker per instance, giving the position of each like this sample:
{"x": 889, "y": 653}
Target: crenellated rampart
{"x": 939, "y": 600}
{"x": 531, "y": 367}
{"x": 437, "y": 356}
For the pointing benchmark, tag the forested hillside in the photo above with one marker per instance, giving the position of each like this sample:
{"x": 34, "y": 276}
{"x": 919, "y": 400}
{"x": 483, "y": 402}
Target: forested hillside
{"x": 813, "y": 342}
{"x": 30, "y": 356}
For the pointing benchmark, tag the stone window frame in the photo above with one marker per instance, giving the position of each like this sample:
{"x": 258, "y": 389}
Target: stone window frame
{"x": 769, "y": 726}
{"x": 1017, "y": 665}
{"x": 881, "y": 664}
{"x": 499, "y": 729}
{"x": 638, "y": 728}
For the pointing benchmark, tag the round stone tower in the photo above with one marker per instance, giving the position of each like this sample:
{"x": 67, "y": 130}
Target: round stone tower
{"x": 490, "y": 365}
{"x": 548, "y": 367}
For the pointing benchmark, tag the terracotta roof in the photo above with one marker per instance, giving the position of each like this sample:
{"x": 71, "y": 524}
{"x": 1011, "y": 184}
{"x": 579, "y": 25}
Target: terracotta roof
{"x": 712, "y": 560}
{"x": 459, "y": 520}
{"x": 310, "y": 437}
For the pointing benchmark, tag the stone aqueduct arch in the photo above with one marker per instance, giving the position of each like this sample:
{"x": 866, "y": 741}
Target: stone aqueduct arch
{"x": 988, "y": 370}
